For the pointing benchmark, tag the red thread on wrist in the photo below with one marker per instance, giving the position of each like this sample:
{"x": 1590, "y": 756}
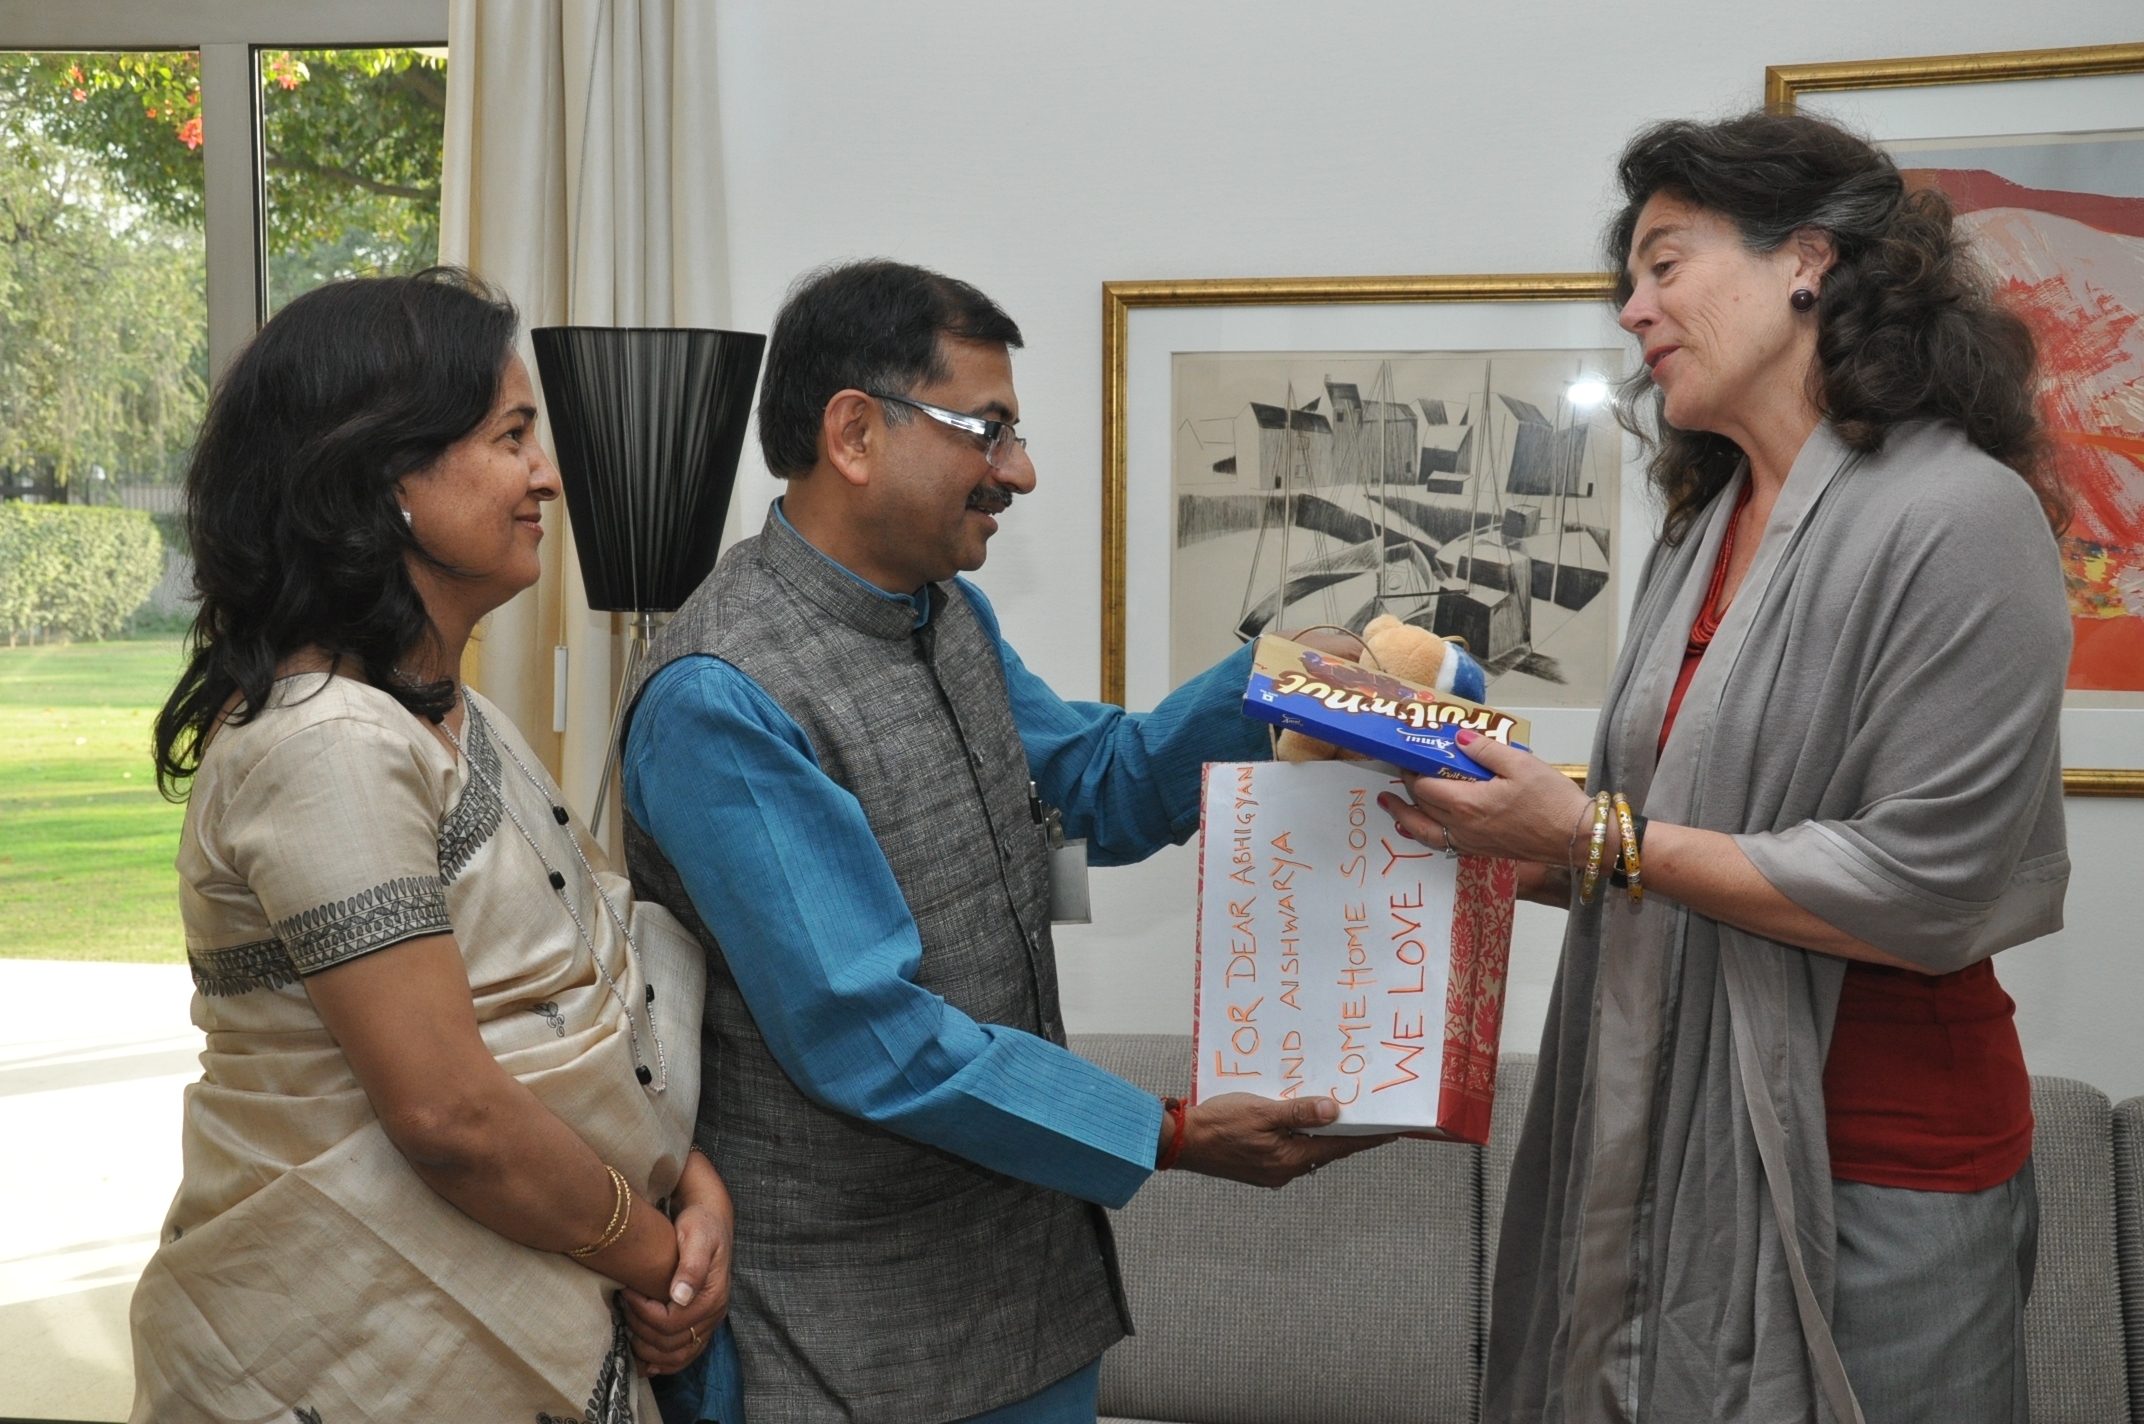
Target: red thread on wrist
{"x": 1174, "y": 1107}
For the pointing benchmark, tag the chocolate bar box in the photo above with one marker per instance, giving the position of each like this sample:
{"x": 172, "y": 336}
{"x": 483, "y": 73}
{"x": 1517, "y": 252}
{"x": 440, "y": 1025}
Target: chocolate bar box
{"x": 1342, "y": 702}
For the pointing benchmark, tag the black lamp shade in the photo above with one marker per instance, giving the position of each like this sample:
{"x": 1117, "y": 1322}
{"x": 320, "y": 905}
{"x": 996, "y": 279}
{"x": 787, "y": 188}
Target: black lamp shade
{"x": 648, "y": 423}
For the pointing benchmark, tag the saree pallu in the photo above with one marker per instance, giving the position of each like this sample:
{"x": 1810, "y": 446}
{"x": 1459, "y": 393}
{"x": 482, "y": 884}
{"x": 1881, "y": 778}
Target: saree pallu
{"x": 305, "y": 1271}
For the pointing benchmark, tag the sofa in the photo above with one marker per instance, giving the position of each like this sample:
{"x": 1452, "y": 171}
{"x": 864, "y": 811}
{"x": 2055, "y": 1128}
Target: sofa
{"x": 1360, "y": 1294}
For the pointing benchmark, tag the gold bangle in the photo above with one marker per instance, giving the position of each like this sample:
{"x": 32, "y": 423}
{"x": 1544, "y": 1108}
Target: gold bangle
{"x": 1570, "y": 851}
{"x": 1629, "y": 828}
{"x": 621, "y": 1212}
{"x": 1596, "y": 849}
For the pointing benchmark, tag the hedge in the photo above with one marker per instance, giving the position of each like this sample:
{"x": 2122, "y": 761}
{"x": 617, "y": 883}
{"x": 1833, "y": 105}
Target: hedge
{"x": 75, "y": 569}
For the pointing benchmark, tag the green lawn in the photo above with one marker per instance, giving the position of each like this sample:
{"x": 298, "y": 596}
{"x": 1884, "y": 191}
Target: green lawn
{"x": 86, "y": 844}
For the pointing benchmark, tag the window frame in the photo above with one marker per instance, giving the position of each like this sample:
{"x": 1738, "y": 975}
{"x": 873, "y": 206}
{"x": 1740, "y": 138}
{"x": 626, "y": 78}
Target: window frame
{"x": 227, "y": 33}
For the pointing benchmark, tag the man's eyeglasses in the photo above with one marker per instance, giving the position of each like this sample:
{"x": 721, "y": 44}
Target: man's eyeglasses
{"x": 997, "y": 435}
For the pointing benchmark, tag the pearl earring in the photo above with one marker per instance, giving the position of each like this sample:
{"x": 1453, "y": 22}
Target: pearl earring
{"x": 1802, "y": 300}
{"x": 407, "y": 518}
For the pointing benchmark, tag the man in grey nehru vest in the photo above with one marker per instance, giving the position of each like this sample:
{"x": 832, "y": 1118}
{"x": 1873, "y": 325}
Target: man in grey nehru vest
{"x": 836, "y": 770}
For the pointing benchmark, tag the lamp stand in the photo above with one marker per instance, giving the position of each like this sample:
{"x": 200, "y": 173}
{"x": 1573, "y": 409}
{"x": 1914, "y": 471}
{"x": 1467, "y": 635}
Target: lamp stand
{"x": 636, "y": 654}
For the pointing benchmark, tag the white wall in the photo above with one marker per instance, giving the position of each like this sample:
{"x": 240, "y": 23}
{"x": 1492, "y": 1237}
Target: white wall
{"x": 1041, "y": 148}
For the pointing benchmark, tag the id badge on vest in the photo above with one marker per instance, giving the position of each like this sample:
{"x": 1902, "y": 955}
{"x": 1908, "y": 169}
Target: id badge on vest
{"x": 1069, "y": 900}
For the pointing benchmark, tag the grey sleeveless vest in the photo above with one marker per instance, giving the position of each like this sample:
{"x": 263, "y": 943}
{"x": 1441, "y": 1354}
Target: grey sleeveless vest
{"x": 876, "y": 1279}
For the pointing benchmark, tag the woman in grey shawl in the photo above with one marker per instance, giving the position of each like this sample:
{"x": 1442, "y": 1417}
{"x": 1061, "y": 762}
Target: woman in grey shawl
{"x": 1836, "y": 712}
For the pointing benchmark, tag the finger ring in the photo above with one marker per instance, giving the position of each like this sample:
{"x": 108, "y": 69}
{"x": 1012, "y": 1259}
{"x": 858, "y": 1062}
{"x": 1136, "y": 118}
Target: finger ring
{"x": 1449, "y": 848}
{"x": 695, "y": 1334}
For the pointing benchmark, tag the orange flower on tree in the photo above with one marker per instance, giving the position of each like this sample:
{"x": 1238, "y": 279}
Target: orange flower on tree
{"x": 286, "y": 70}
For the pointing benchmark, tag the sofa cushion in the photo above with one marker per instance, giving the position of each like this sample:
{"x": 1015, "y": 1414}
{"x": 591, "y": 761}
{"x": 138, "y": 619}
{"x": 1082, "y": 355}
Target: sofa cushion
{"x": 2074, "y": 1360}
{"x": 1514, "y": 1087}
{"x": 1348, "y": 1296}
{"x": 2129, "y": 1239}
{"x": 1358, "y": 1291}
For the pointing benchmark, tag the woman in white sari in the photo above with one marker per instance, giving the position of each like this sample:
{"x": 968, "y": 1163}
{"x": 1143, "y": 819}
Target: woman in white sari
{"x": 451, "y": 1067}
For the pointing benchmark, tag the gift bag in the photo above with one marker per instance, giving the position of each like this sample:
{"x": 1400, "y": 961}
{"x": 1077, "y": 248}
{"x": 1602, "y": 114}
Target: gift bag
{"x": 1338, "y": 957}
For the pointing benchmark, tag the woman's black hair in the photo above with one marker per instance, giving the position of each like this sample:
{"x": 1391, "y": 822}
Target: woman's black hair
{"x": 298, "y": 537}
{"x": 1907, "y": 324}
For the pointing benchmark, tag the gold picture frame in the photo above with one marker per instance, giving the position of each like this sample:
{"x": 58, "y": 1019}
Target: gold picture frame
{"x": 1785, "y": 84}
{"x": 1120, "y": 299}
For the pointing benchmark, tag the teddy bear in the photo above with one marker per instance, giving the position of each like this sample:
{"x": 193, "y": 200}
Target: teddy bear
{"x": 1415, "y": 656}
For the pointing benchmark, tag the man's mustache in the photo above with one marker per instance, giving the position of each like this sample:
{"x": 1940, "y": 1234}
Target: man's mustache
{"x": 990, "y": 499}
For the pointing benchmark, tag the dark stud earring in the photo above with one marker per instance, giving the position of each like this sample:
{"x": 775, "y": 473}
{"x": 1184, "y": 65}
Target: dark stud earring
{"x": 1802, "y": 300}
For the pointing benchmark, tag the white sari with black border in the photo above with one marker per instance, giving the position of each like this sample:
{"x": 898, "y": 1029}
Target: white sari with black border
{"x": 305, "y": 1272}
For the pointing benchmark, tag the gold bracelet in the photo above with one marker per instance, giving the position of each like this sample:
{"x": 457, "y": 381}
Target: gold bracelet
{"x": 1596, "y": 849}
{"x": 621, "y": 1212}
{"x": 1570, "y": 851}
{"x": 1629, "y": 828}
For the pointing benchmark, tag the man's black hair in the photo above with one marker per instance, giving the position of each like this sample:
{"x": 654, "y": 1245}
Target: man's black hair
{"x": 867, "y": 326}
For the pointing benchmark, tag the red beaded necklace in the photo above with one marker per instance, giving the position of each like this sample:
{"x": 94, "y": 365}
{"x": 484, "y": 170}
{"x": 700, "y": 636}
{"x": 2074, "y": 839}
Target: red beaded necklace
{"x": 1710, "y": 614}
{"x": 1707, "y": 623}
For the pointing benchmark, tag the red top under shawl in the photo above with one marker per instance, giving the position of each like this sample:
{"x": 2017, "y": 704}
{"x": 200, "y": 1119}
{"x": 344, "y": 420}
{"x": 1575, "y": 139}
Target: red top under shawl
{"x": 1925, "y": 1086}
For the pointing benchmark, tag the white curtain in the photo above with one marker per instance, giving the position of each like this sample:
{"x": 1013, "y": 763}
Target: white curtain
{"x": 583, "y": 175}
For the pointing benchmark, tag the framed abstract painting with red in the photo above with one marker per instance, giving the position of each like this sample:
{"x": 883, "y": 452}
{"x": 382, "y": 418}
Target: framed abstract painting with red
{"x": 2042, "y": 156}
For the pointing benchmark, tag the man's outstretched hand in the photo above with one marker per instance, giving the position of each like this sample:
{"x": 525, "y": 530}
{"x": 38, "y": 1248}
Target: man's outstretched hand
{"x": 1246, "y": 1138}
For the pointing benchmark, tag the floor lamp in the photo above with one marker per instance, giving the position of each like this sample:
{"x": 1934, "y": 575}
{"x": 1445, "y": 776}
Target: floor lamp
{"x": 648, "y": 423}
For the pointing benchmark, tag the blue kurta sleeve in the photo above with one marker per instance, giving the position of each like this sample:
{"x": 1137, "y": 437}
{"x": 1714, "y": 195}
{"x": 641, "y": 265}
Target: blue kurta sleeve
{"x": 782, "y": 866}
{"x": 1128, "y": 781}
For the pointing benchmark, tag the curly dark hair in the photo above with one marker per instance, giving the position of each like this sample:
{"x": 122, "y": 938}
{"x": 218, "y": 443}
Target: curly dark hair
{"x": 1907, "y": 324}
{"x": 298, "y": 538}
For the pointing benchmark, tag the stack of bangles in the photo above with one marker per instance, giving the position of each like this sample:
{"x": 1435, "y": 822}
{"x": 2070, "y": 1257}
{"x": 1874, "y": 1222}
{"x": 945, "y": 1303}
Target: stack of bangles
{"x": 621, "y": 1212}
{"x": 1624, "y": 874}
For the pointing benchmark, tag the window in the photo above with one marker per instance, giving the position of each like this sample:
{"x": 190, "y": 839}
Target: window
{"x": 104, "y": 330}
{"x": 350, "y": 147}
{"x": 159, "y": 193}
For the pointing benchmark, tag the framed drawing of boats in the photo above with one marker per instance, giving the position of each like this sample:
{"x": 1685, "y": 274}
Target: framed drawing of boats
{"x": 1295, "y": 452}
{"x": 1473, "y": 494}
{"x": 2041, "y": 153}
